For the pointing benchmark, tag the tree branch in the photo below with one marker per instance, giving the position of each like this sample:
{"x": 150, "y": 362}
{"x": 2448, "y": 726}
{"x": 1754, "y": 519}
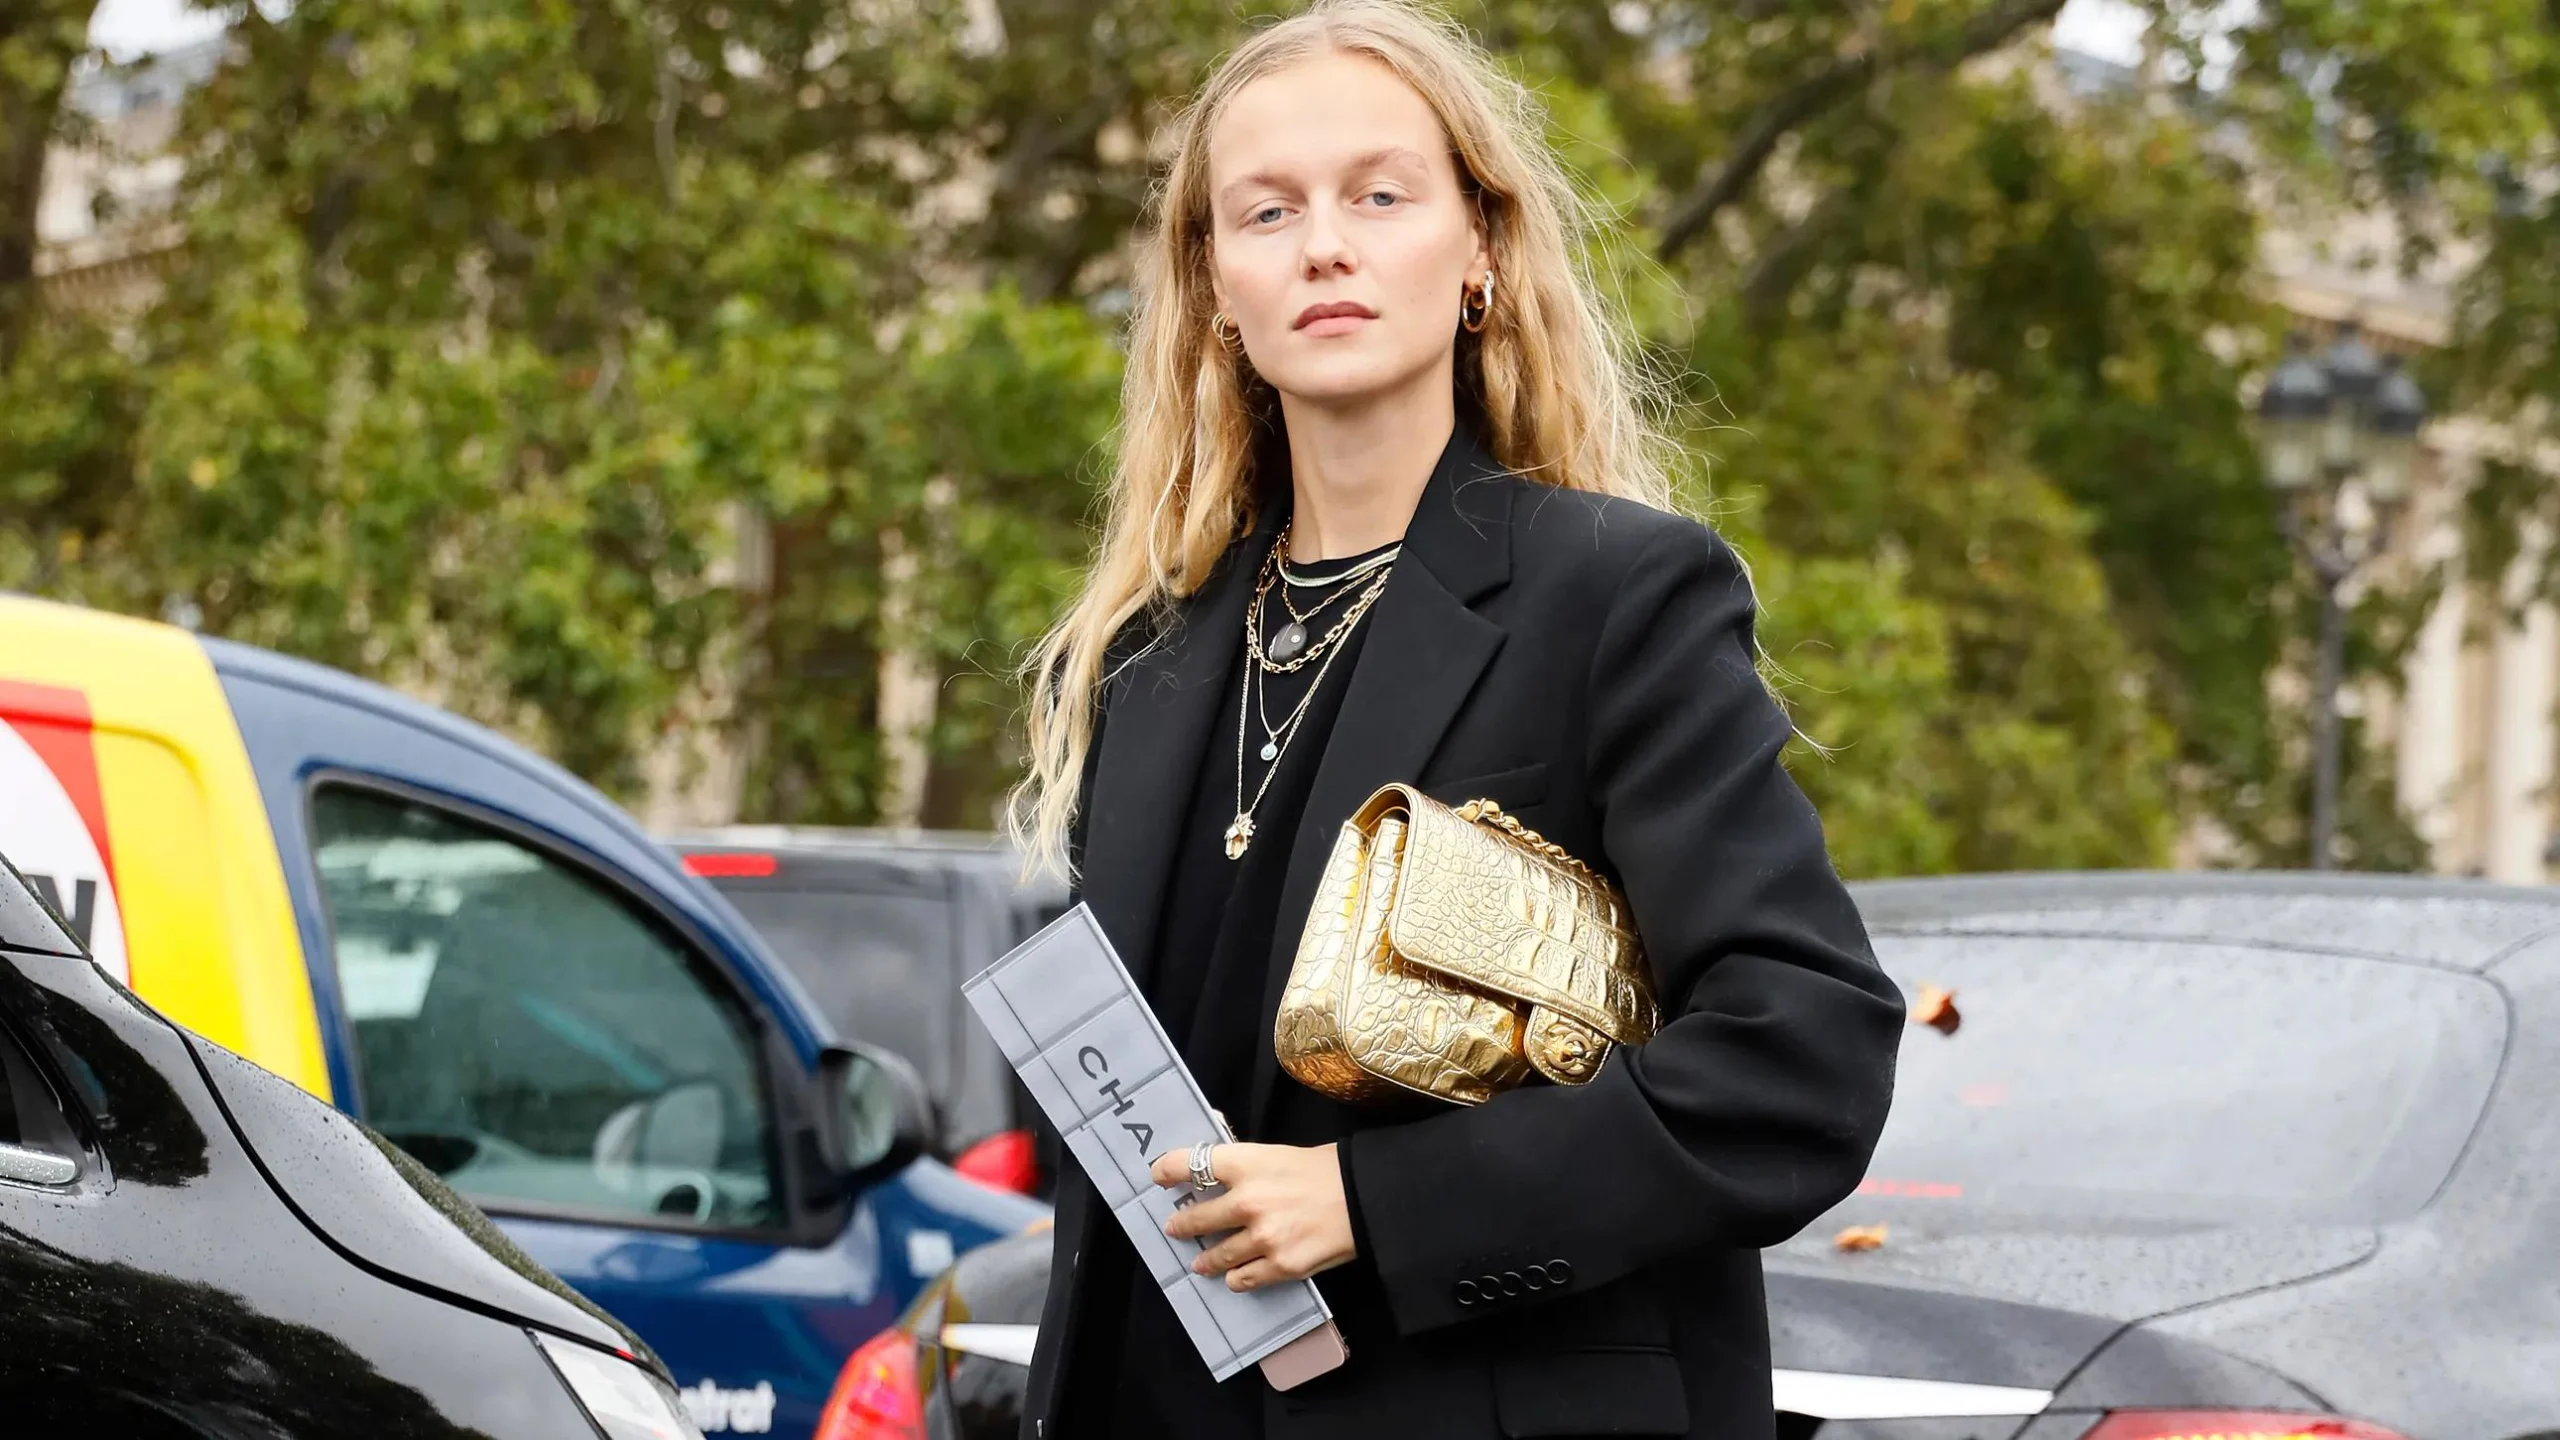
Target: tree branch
{"x": 1823, "y": 91}
{"x": 36, "y": 51}
{"x": 1759, "y": 140}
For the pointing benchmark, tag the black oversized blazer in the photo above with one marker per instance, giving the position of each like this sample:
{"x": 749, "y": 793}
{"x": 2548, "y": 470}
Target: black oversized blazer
{"x": 1557, "y": 1261}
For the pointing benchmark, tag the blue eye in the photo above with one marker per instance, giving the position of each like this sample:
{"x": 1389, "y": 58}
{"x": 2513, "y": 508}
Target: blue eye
{"x": 1388, "y": 196}
{"x": 1267, "y": 214}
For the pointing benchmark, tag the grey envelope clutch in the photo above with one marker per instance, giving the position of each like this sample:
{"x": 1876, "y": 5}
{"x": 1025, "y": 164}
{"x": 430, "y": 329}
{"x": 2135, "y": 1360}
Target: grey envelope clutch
{"x": 1066, "y": 1014}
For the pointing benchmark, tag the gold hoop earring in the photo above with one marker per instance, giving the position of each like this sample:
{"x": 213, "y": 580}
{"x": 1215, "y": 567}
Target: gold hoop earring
{"x": 1475, "y": 306}
{"x": 1230, "y": 334}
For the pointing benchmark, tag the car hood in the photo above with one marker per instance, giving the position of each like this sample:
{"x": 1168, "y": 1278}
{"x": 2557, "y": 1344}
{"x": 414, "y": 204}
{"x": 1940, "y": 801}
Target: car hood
{"x": 2018, "y": 1305}
{"x": 389, "y": 1214}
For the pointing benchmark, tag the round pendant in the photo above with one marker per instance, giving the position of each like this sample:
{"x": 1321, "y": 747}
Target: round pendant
{"x": 1270, "y": 750}
{"x": 1290, "y": 643}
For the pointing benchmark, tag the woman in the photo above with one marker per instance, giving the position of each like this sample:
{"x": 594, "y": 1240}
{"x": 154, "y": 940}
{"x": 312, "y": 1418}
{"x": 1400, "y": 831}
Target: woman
{"x": 1387, "y": 509}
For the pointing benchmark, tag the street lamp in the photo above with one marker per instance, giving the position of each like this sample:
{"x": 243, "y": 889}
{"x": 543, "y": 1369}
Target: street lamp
{"x": 2343, "y": 423}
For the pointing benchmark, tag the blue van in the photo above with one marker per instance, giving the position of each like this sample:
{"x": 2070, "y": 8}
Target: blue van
{"x": 486, "y": 961}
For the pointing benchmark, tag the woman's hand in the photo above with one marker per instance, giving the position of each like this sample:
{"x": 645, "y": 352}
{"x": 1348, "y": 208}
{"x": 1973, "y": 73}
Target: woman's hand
{"x": 1284, "y": 1204}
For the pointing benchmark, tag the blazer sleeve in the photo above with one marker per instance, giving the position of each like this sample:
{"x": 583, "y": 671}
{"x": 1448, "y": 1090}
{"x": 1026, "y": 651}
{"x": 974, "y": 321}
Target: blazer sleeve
{"x": 1759, "y": 1101}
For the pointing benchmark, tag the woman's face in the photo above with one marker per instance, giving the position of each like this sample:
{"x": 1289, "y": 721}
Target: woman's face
{"x": 1340, "y": 242}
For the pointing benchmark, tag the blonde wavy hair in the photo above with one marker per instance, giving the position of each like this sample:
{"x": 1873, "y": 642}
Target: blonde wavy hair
{"x": 1553, "y": 381}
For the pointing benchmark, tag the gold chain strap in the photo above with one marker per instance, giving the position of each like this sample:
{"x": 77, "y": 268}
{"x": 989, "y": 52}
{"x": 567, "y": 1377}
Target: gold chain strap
{"x": 1485, "y": 812}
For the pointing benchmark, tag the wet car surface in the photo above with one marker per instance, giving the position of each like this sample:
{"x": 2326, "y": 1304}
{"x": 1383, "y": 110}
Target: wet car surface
{"x": 159, "y": 1278}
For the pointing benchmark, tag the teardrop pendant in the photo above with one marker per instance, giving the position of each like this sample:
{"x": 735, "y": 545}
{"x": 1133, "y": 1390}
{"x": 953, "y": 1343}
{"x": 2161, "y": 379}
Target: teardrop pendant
{"x": 1270, "y": 750}
{"x": 1290, "y": 643}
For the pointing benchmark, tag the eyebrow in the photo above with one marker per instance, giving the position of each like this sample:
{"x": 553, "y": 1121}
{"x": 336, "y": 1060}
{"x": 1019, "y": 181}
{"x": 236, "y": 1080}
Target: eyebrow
{"x": 1372, "y": 160}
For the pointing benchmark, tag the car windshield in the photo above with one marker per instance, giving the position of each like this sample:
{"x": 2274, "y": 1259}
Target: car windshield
{"x": 2131, "y": 1080}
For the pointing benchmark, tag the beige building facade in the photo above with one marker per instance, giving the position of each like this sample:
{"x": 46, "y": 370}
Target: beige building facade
{"x": 2469, "y": 728}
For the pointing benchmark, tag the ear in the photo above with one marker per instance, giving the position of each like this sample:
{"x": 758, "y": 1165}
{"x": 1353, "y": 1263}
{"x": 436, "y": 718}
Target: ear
{"x": 1217, "y": 285}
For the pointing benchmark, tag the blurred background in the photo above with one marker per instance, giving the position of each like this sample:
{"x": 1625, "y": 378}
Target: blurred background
{"x": 714, "y": 395}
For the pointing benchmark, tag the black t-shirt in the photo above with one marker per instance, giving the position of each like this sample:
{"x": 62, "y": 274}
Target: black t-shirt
{"x": 1213, "y": 964}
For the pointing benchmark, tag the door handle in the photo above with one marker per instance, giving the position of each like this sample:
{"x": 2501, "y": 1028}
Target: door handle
{"x": 36, "y": 1167}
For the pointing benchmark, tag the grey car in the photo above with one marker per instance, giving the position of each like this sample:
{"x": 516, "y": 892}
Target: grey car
{"x": 2195, "y": 1155}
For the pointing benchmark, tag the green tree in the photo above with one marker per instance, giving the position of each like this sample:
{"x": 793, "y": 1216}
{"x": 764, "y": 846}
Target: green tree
{"x": 40, "y": 41}
{"x": 499, "y": 324}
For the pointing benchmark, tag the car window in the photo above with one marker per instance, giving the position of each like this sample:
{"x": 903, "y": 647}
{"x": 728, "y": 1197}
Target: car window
{"x": 881, "y": 966}
{"x": 2115, "y": 1079}
{"x": 883, "y": 955}
{"x": 527, "y": 1034}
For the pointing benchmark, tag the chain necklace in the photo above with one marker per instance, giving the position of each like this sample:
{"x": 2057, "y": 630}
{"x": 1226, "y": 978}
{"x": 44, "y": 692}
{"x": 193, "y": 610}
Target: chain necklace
{"x": 1273, "y": 662}
{"x": 1291, "y": 643}
{"x": 1342, "y": 586}
{"x": 1384, "y": 558}
{"x": 1240, "y": 833}
{"x": 1262, "y": 692}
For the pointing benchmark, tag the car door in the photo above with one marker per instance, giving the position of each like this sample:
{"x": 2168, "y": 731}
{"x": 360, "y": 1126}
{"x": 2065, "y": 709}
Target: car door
{"x": 566, "y": 1059}
{"x": 539, "y": 1004}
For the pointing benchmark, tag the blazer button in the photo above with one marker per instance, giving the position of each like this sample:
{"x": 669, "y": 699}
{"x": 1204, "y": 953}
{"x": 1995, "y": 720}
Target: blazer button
{"x": 1511, "y": 1283}
{"x": 1490, "y": 1286}
{"x": 1559, "y": 1272}
{"x": 1467, "y": 1292}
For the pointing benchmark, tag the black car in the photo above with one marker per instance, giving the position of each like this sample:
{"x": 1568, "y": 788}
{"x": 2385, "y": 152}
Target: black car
{"x": 880, "y": 927}
{"x": 191, "y": 1247}
{"x": 2184, "y": 1155}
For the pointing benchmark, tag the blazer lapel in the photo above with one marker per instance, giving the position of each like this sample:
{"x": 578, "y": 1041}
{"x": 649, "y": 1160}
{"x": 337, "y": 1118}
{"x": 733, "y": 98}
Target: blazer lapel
{"x": 1423, "y": 654}
{"x": 1152, "y": 736}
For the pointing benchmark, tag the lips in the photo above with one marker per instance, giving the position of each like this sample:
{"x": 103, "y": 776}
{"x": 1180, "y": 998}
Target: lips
{"x": 1333, "y": 310}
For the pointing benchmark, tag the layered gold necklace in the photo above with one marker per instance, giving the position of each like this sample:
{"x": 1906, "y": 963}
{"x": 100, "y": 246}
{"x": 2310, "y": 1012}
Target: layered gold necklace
{"x": 1293, "y": 648}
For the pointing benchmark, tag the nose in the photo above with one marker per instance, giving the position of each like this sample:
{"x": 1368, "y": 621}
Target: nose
{"x": 1327, "y": 250}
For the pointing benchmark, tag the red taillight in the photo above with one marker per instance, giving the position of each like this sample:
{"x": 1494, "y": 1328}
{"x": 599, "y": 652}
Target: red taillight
{"x": 1005, "y": 1160}
{"x": 731, "y": 865}
{"x": 2232, "y": 1425}
{"x": 876, "y": 1395}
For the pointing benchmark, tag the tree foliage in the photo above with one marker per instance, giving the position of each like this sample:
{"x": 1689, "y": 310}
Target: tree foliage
{"x": 502, "y": 325}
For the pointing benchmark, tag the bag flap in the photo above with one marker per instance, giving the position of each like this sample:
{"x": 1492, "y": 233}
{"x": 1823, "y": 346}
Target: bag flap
{"x": 1478, "y": 906}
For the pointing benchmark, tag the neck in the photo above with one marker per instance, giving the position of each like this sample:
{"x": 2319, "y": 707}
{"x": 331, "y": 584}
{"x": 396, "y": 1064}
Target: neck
{"x": 1356, "y": 475}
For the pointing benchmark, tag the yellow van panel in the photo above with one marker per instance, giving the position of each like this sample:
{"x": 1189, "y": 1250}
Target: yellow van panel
{"x": 208, "y": 924}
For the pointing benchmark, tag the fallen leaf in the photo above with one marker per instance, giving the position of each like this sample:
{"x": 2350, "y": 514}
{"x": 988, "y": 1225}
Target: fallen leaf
{"x": 1936, "y": 1009}
{"x": 1858, "y": 1238}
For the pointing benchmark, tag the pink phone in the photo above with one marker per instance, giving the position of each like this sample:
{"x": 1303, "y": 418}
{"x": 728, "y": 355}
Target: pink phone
{"x": 1305, "y": 1358}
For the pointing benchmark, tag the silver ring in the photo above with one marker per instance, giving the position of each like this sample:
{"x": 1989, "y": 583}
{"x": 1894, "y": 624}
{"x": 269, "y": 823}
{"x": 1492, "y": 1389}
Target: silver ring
{"x": 1202, "y": 1176}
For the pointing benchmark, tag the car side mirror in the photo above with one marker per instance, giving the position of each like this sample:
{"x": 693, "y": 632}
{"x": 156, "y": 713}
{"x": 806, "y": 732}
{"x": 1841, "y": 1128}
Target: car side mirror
{"x": 876, "y": 1116}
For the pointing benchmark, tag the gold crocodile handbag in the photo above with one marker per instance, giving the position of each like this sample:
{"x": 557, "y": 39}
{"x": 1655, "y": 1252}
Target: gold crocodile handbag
{"x": 1453, "y": 953}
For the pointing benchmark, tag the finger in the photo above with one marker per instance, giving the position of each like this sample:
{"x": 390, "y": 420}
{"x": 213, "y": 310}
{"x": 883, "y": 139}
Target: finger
{"x": 1227, "y": 1254}
{"x": 1229, "y": 1163}
{"x": 1207, "y": 1217}
{"x": 1173, "y": 1167}
{"x": 1255, "y": 1275}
